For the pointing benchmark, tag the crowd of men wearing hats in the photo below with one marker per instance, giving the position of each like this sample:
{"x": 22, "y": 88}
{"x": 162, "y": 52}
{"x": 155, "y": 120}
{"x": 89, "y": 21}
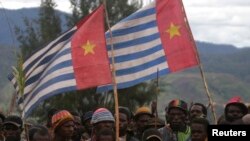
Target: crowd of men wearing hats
{"x": 182, "y": 123}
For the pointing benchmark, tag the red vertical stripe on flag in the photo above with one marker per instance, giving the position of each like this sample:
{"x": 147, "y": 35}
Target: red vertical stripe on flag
{"x": 89, "y": 54}
{"x": 175, "y": 36}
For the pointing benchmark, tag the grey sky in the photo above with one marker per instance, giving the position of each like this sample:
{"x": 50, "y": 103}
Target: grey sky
{"x": 216, "y": 21}
{"x": 220, "y": 21}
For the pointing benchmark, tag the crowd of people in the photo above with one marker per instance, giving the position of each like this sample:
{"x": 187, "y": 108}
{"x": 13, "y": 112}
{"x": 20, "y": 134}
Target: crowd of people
{"x": 182, "y": 123}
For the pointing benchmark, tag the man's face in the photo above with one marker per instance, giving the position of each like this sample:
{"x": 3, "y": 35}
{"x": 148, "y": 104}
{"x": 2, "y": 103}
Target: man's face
{"x": 12, "y": 132}
{"x": 234, "y": 112}
{"x": 123, "y": 123}
{"x": 176, "y": 118}
{"x": 196, "y": 111}
{"x": 104, "y": 124}
{"x": 199, "y": 132}
{"x": 78, "y": 126}
{"x": 66, "y": 129}
{"x": 142, "y": 121}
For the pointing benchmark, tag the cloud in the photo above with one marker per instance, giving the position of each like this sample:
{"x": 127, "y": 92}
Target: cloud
{"x": 223, "y": 21}
{"x": 63, "y": 5}
{"x": 216, "y": 3}
{"x": 16, "y": 4}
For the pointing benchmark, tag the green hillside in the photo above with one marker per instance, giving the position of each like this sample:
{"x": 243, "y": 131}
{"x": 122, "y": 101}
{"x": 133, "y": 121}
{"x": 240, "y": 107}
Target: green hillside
{"x": 189, "y": 87}
{"x": 7, "y": 59}
{"x": 227, "y": 75}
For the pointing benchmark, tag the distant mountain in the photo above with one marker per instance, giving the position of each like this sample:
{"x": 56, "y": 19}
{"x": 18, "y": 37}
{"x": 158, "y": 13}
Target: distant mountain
{"x": 227, "y": 74}
{"x": 209, "y": 48}
{"x": 9, "y": 19}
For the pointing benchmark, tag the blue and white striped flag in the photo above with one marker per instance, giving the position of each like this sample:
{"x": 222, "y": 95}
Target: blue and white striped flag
{"x": 53, "y": 64}
{"x": 73, "y": 61}
{"x": 146, "y": 43}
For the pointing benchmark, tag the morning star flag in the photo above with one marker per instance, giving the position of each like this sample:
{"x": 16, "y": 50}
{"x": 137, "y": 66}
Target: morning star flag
{"x": 156, "y": 37}
{"x": 76, "y": 60}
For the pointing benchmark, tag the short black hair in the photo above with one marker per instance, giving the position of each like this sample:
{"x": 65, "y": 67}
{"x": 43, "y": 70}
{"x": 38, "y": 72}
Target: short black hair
{"x": 202, "y": 121}
{"x": 242, "y": 106}
{"x": 14, "y": 119}
{"x": 51, "y": 112}
{"x": 204, "y": 109}
{"x": 126, "y": 111}
{"x": 41, "y": 130}
{"x": 87, "y": 115}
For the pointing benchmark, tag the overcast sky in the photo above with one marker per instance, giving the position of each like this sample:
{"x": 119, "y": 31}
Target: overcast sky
{"x": 216, "y": 21}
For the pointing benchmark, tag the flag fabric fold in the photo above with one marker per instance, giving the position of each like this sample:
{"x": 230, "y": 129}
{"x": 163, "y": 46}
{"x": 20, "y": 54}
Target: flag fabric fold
{"x": 75, "y": 60}
{"x": 154, "y": 39}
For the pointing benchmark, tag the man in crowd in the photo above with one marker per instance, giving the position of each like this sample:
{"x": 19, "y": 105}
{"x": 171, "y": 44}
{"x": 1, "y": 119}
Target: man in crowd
{"x": 39, "y": 133}
{"x": 79, "y": 129}
{"x": 105, "y": 134}
{"x": 199, "y": 129}
{"x": 142, "y": 117}
{"x": 86, "y": 119}
{"x": 12, "y": 128}
{"x": 246, "y": 119}
{"x": 234, "y": 110}
{"x": 198, "y": 110}
{"x": 50, "y": 113}
{"x": 124, "y": 121}
{"x": 63, "y": 126}
{"x": 177, "y": 130}
{"x": 102, "y": 118}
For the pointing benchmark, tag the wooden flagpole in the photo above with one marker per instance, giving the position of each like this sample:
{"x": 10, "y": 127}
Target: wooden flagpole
{"x": 113, "y": 75}
{"x": 157, "y": 92}
{"x": 200, "y": 67}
